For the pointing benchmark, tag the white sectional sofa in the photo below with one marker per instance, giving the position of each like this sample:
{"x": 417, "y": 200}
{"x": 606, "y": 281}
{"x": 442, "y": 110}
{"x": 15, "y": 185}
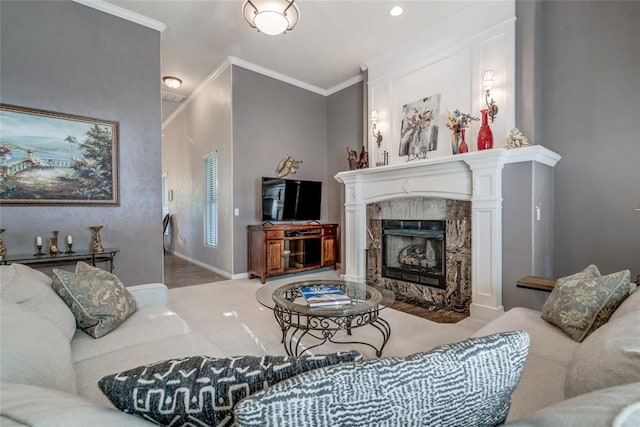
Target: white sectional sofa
{"x": 50, "y": 370}
{"x": 566, "y": 383}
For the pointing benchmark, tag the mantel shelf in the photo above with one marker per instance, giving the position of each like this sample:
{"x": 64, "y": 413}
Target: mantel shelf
{"x": 492, "y": 157}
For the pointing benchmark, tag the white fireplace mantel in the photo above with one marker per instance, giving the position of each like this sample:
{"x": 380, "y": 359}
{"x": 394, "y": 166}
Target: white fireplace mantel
{"x": 474, "y": 176}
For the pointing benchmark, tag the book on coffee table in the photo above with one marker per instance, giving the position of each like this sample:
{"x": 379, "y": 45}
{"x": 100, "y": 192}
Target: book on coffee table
{"x": 324, "y": 295}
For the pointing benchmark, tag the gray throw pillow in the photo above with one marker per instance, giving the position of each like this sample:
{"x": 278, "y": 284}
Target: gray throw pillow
{"x": 581, "y": 303}
{"x": 98, "y": 299}
{"x": 202, "y": 391}
{"x": 468, "y": 383}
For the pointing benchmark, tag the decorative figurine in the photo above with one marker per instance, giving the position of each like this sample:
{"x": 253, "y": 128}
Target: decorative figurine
{"x": 352, "y": 158}
{"x": 53, "y": 245}
{"x": 3, "y": 248}
{"x": 363, "y": 163}
{"x": 287, "y": 165}
{"x": 516, "y": 139}
{"x": 96, "y": 244}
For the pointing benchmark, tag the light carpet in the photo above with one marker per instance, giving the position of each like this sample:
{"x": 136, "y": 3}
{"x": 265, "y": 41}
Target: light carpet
{"x": 228, "y": 313}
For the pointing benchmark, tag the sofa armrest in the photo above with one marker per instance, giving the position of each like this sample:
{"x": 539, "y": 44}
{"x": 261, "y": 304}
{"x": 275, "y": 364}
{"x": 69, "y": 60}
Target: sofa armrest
{"x": 150, "y": 294}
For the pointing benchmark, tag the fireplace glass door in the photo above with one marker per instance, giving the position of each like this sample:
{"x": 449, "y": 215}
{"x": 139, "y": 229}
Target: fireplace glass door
{"x": 414, "y": 251}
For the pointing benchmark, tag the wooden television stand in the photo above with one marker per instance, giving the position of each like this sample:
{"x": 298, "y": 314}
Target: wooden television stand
{"x": 291, "y": 248}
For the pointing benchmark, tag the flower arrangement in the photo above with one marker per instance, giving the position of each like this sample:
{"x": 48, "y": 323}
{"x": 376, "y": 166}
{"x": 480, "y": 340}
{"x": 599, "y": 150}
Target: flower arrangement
{"x": 457, "y": 121}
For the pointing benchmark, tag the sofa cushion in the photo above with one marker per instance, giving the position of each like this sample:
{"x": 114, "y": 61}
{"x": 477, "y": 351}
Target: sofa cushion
{"x": 581, "y": 303}
{"x": 608, "y": 357}
{"x": 43, "y": 407}
{"x": 145, "y": 325}
{"x": 34, "y": 350}
{"x": 97, "y": 298}
{"x": 89, "y": 371}
{"x": 465, "y": 383}
{"x": 629, "y": 305}
{"x": 615, "y": 406}
{"x": 204, "y": 390}
{"x": 32, "y": 290}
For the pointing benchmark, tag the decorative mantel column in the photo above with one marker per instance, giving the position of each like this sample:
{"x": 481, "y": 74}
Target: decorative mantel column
{"x": 475, "y": 176}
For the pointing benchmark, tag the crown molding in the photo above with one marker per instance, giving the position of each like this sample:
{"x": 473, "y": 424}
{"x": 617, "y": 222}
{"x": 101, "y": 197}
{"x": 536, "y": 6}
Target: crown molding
{"x": 276, "y": 75}
{"x": 214, "y": 75}
{"x": 123, "y": 13}
{"x": 345, "y": 84}
{"x": 231, "y": 60}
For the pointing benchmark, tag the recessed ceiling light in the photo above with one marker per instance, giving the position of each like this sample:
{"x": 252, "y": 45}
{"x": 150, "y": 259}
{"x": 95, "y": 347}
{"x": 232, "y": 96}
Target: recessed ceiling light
{"x": 396, "y": 11}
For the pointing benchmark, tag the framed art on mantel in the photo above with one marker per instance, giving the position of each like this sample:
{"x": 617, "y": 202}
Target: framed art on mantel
{"x": 50, "y": 158}
{"x": 419, "y": 129}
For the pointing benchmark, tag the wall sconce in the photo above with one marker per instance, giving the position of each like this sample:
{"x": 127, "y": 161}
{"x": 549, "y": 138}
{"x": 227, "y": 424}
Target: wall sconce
{"x": 172, "y": 82}
{"x": 375, "y": 132}
{"x": 488, "y": 82}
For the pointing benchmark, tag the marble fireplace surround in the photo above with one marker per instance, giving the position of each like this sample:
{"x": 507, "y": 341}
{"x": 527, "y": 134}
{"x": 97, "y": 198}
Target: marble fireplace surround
{"x": 474, "y": 176}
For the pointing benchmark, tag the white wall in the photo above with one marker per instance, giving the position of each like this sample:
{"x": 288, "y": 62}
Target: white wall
{"x": 449, "y": 59}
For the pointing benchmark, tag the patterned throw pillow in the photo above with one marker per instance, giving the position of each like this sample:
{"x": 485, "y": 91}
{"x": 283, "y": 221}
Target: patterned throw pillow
{"x": 97, "y": 298}
{"x": 581, "y": 303}
{"x": 468, "y": 383}
{"x": 202, "y": 391}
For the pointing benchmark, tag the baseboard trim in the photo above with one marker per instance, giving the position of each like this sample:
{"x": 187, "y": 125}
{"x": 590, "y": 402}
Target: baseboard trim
{"x": 204, "y": 265}
{"x": 484, "y": 312}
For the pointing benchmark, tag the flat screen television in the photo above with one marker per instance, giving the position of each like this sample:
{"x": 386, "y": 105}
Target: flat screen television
{"x": 290, "y": 199}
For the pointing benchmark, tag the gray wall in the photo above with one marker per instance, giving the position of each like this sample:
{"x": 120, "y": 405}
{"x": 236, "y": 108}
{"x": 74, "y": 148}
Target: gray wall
{"x": 528, "y": 69}
{"x": 591, "y": 116}
{"x": 203, "y": 127}
{"x": 65, "y": 57}
{"x": 527, "y": 242}
{"x": 272, "y": 119}
{"x": 344, "y": 129}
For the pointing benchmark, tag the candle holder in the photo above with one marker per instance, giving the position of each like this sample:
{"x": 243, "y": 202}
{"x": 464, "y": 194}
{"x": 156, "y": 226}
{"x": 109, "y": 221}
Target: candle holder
{"x": 39, "y": 253}
{"x": 69, "y": 249}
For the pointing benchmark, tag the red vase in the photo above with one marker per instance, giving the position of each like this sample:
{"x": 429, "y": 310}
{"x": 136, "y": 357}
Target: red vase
{"x": 485, "y": 136}
{"x": 463, "y": 147}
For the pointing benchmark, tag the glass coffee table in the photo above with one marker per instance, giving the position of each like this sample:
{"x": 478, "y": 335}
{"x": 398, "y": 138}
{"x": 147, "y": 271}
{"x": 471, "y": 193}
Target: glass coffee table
{"x": 322, "y": 324}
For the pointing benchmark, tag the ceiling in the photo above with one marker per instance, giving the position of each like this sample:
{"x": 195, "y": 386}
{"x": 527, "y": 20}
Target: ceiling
{"x": 326, "y": 48}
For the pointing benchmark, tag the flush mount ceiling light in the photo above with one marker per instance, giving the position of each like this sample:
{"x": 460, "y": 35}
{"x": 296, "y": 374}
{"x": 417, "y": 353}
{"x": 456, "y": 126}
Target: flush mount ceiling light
{"x": 396, "y": 11}
{"x": 172, "y": 82}
{"x": 271, "y": 17}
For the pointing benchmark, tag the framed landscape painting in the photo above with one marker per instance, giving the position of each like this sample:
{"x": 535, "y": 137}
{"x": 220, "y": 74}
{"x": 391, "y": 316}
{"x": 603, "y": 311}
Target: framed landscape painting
{"x": 50, "y": 158}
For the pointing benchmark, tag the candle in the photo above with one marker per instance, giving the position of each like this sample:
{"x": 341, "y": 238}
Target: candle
{"x": 38, "y": 241}
{"x": 69, "y": 240}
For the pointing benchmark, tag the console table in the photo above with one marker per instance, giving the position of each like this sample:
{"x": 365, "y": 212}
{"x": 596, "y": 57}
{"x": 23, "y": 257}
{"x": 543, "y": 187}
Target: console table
{"x": 47, "y": 260}
{"x": 276, "y": 249}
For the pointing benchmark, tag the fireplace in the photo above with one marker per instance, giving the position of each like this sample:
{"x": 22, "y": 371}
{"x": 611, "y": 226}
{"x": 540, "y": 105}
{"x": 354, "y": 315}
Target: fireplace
{"x": 414, "y": 246}
{"x": 474, "y": 238}
{"x": 414, "y": 251}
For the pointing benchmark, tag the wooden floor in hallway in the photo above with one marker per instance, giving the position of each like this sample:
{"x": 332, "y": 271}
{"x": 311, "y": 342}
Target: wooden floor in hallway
{"x": 179, "y": 273}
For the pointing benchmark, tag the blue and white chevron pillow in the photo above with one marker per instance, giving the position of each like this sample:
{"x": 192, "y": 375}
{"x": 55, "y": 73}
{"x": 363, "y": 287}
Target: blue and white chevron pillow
{"x": 468, "y": 383}
{"x": 202, "y": 391}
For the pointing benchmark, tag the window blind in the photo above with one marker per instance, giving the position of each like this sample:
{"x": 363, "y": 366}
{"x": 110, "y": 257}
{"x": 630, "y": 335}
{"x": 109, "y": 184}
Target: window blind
{"x": 211, "y": 200}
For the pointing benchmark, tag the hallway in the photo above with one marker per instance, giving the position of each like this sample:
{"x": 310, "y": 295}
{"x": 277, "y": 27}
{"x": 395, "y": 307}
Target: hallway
{"x": 179, "y": 273}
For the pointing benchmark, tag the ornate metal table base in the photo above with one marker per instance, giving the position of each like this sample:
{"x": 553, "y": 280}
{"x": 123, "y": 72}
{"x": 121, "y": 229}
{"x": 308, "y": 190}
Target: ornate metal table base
{"x": 323, "y": 325}
{"x": 296, "y": 326}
